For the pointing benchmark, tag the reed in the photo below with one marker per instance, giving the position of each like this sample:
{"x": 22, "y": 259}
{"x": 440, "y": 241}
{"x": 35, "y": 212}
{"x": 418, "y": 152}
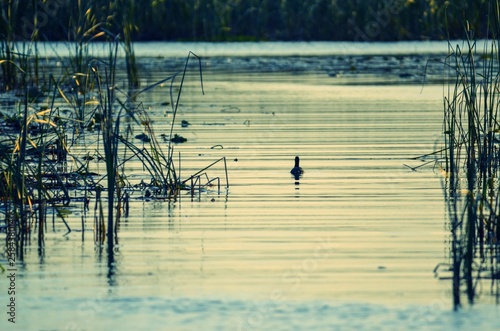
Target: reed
{"x": 127, "y": 12}
{"x": 110, "y": 129}
{"x": 7, "y": 46}
{"x": 85, "y": 27}
{"x": 472, "y": 161}
{"x": 37, "y": 140}
{"x": 175, "y": 106}
{"x": 16, "y": 184}
{"x": 19, "y": 57}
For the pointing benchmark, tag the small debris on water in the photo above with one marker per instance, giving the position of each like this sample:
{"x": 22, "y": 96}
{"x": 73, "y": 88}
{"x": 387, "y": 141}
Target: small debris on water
{"x": 143, "y": 137}
{"x": 178, "y": 139}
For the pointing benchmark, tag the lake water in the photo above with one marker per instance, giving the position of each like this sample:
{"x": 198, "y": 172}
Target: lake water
{"x": 351, "y": 245}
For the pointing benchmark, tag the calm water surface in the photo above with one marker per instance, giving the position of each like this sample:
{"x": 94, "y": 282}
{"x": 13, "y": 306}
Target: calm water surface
{"x": 350, "y": 246}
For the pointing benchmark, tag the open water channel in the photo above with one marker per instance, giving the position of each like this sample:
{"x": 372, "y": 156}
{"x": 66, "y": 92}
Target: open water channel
{"x": 351, "y": 245}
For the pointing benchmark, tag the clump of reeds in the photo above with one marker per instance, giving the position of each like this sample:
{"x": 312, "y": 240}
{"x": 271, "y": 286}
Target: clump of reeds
{"x": 471, "y": 162}
{"x": 31, "y": 149}
{"x": 38, "y": 142}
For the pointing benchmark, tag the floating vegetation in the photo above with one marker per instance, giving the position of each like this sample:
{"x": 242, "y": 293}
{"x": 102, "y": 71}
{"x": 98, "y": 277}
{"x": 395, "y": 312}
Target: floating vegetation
{"x": 470, "y": 164}
{"x": 143, "y": 137}
{"x": 178, "y": 139}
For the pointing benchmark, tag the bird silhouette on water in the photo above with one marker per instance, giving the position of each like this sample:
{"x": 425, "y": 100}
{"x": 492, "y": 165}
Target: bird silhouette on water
{"x": 297, "y": 171}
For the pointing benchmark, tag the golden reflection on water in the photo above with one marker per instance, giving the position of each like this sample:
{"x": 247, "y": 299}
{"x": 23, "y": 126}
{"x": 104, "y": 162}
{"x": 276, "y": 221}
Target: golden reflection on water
{"x": 360, "y": 226}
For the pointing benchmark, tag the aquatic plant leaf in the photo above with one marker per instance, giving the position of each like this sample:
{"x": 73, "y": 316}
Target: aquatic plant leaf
{"x": 30, "y": 203}
{"x": 32, "y": 143}
{"x": 14, "y": 64}
{"x": 46, "y": 122}
{"x": 43, "y": 112}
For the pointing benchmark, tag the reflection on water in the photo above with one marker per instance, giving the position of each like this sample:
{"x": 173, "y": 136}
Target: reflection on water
{"x": 362, "y": 228}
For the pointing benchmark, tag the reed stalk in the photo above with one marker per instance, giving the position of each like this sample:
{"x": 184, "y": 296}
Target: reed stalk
{"x": 110, "y": 129}
{"x": 85, "y": 26}
{"x": 7, "y": 51}
{"x": 127, "y": 9}
{"x": 472, "y": 161}
{"x": 175, "y": 106}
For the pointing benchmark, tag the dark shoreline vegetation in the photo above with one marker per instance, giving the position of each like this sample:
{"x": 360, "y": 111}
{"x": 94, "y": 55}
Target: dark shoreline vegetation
{"x": 59, "y": 121}
{"x": 252, "y": 20}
